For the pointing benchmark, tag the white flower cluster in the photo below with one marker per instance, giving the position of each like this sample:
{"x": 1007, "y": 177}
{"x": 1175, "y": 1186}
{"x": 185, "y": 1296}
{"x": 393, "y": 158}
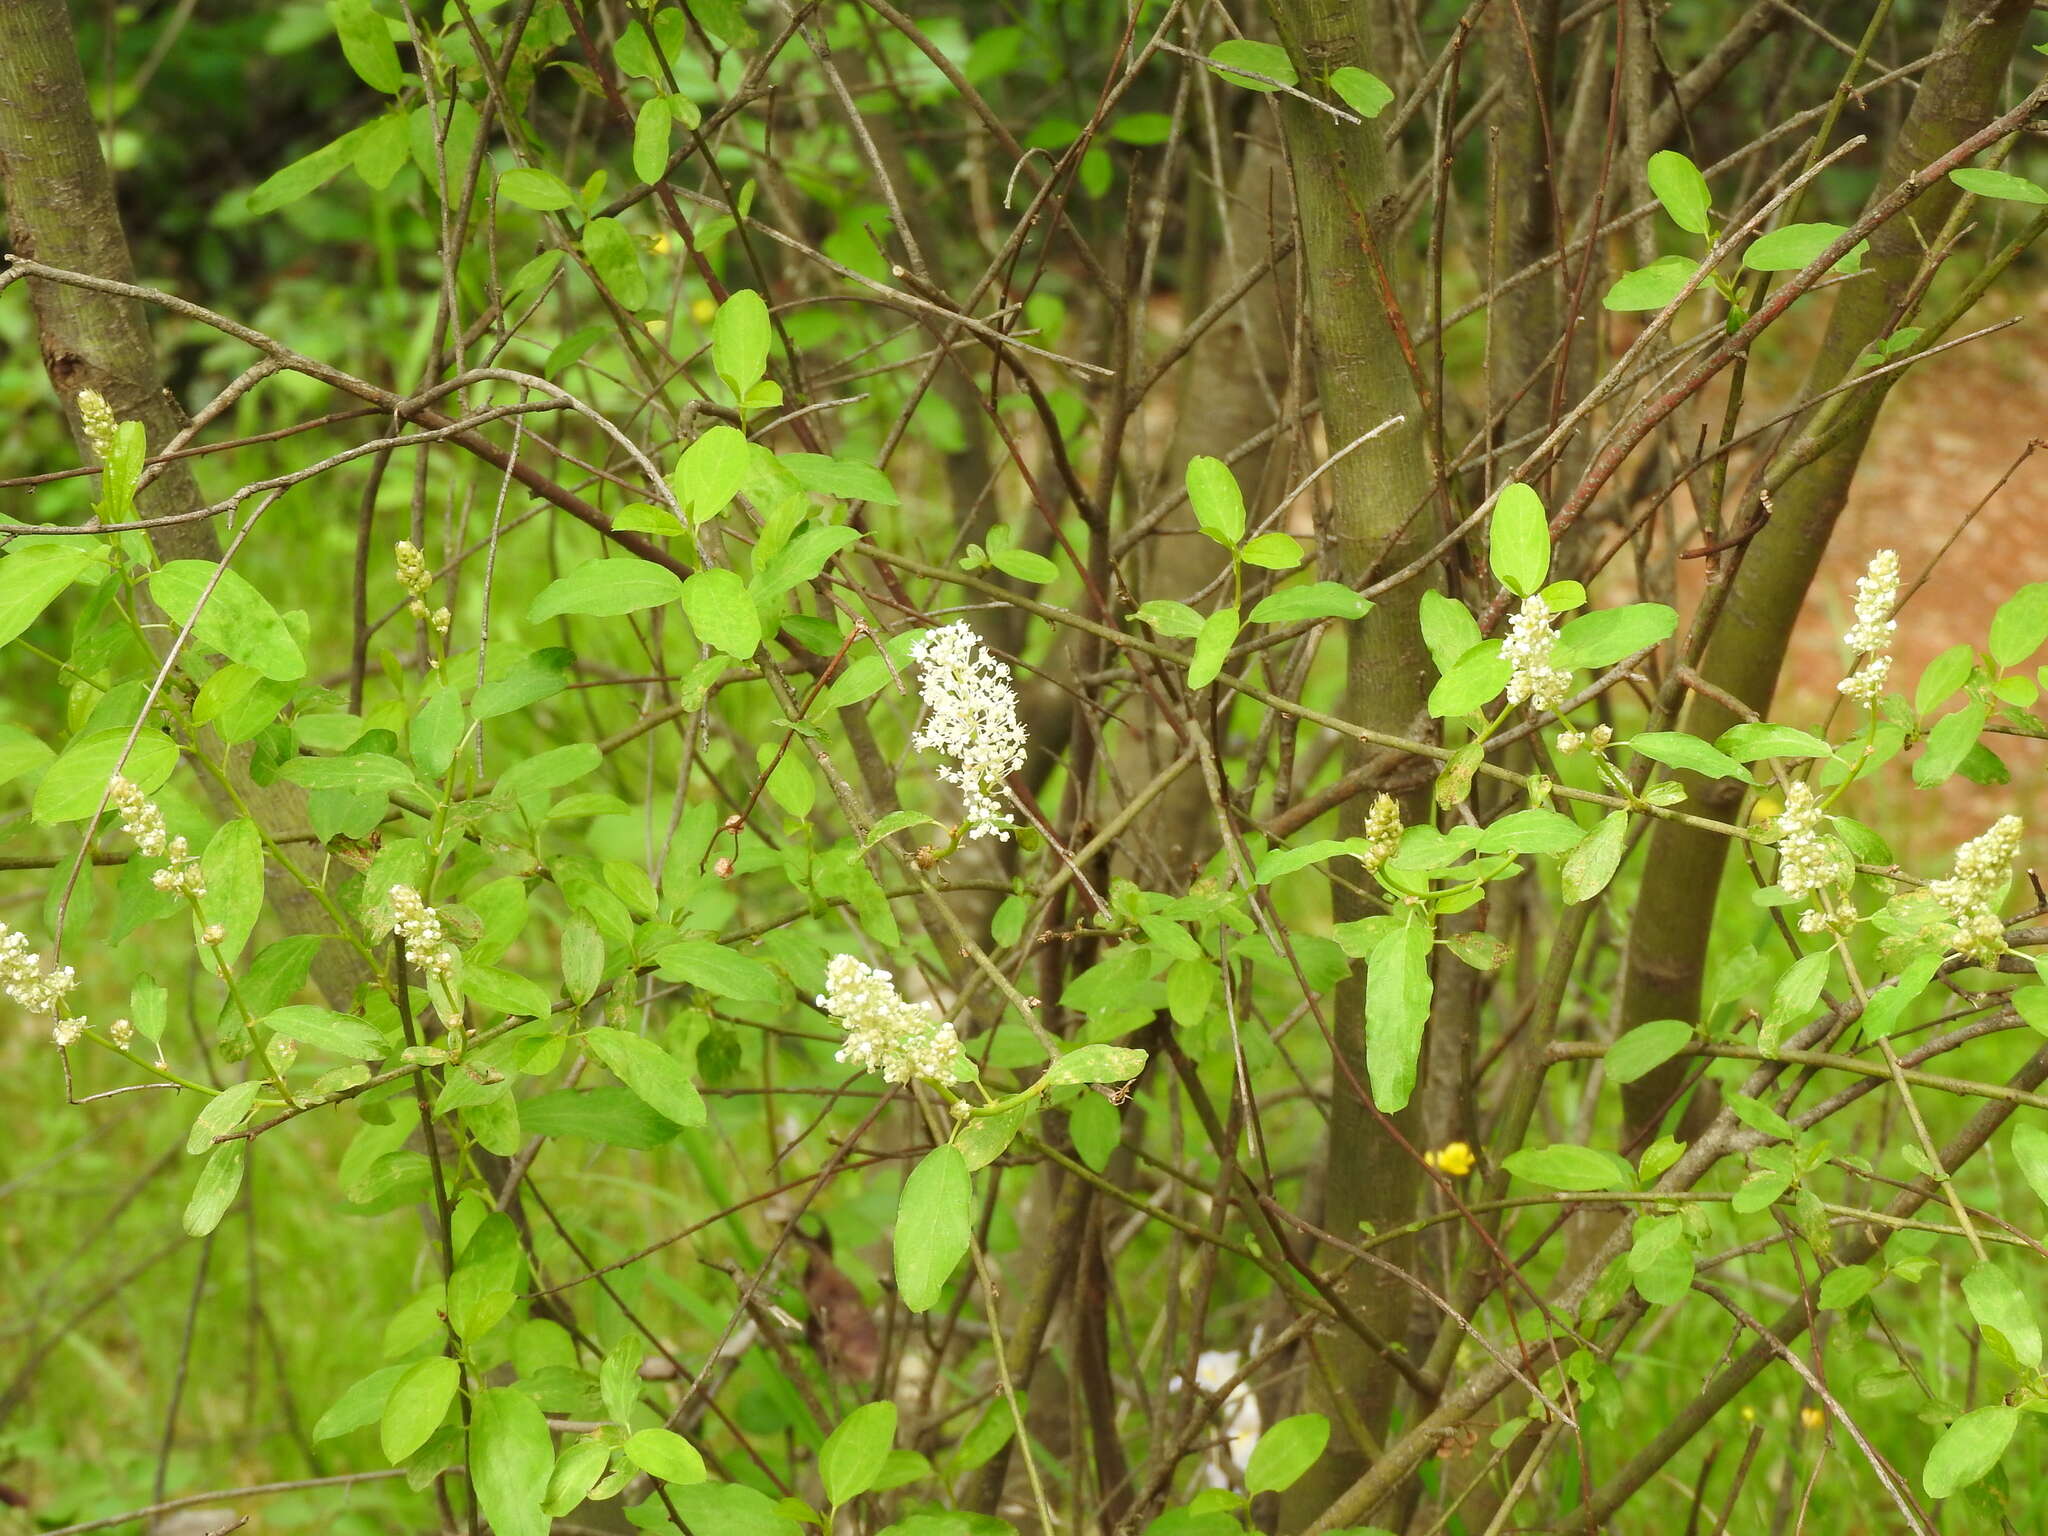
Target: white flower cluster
{"x": 1599, "y": 739}
{"x": 141, "y": 820}
{"x": 414, "y": 576}
{"x": 885, "y": 1032}
{"x": 96, "y": 417}
{"x": 419, "y": 925}
{"x": 1238, "y": 1418}
{"x": 1809, "y": 859}
{"x": 1382, "y": 831}
{"x": 1972, "y": 893}
{"x": 971, "y": 715}
{"x": 1531, "y": 654}
{"x": 1870, "y": 637}
{"x": 23, "y": 979}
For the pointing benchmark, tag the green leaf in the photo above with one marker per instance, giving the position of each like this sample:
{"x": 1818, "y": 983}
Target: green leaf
{"x": 606, "y": 588}
{"x": 897, "y": 821}
{"x": 1602, "y": 638}
{"x": 1024, "y": 565}
{"x": 667, "y": 1455}
{"x": 1534, "y": 830}
{"x": 220, "y": 1180}
{"x": 711, "y": 470}
{"x": 1949, "y": 743}
{"x": 305, "y": 174}
{"x": 722, "y": 612}
{"x": 1362, "y": 91}
{"x": 1285, "y": 1452}
{"x": 540, "y": 190}
{"x": 417, "y": 1406}
{"x": 1448, "y": 629}
{"x": 1273, "y": 552}
{"x": 31, "y": 579}
{"x": 729, "y": 1509}
{"x": 1265, "y": 58}
{"x": 1759, "y": 1116}
{"x": 1675, "y": 749}
{"x": 1589, "y": 866}
{"x": 366, "y": 43}
{"x": 326, "y": 1030}
{"x": 224, "y": 1112}
{"x": 548, "y": 771}
{"x": 359, "y": 1406}
{"x": 854, "y": 1454}
{"x": 1650, "y": 287}
{"x": 1999, "y": 184}
{"x": 615, "y": 256}
{"x": 1212, "y": 647}
{"x": 1846, "y": 1286}
{"x": 1316, "y": 600}
{"x": 719, "y": 970}
{"x": 511, "y": 1458}
{"x": 73, "y": 786}
{"x": 934, "y": 1223}
{"x": 739, "y": 341}
{"x": 236, "y": 620}
{"x": 1219, "y": 504}
{"x": 1968, "y": 1449}
{"x": 848, "y": 479}
{"x": 1794, "y": 247}
{"x": 1097, "y": 1064}
{"x": 1682, "y": 190}
{"x": 654, "y": 1075}
{"x": 577, "y": 1469}
{"x": 651, "y": 131}
{"x": 1645, "y": 1048}
{"x": 1578, "y": 1169}
{"x": 2019, "y": 626}
{"x": 1176, "y": 620}
{"x": 1473, "y": 682}
{"x": 1760, "y": 739}
{"x": 1519, "y": 540}
{"x": 1397, "y": 998}
{"x": 2001, "y": 1309}
{"x": 1793, "y": 998}
{"x": 232, "y": 869}
{"x": 2030, "y": 1151}
{"x": 609, "y": 1116}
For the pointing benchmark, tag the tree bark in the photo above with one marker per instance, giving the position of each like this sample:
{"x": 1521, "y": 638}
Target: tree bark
{"x": 1380, "y": 517}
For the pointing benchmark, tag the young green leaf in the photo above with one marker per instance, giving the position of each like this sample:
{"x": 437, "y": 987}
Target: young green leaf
{"x": 418, "y": 1404}
{"x": 721, "y": 611}
{"x": 652, "y": 129}
{"x": 1273, "y": 552}
{"x": 1968, "y": 1449}
{"x": 615, "y": 256}
{"x": 854, "y": 1454}
{"x": 1218, "y": 502}
{"x": 1650, "y": 287}
{"x": 1675, "y": 749}
{"x": 366, "y": 44}
{"x": 656, "y": 1077}
{"x": 1519, "y": 540}
{"x": 1397, "y": 997}
{"x": 1171, "y": 618}
{"x": 667, "y": 1455}
{"x": 31, "y": 579}
{"x": 220, "y": 1180}
{"x": 511, "y": 1458}
{"x": 1794, "y": 997}
{"x": 739, "y": 341}
{"x": 1795, "y": 247}
{"x": 1577, "y": 1169}
{"x": 542, "y": 191}
{"x": 934, "y": 1224}
{"x": 1362, "y": 91}
{"x": 1285, "y": 1452}
{"x": 234, "y": 618}
{"x": 1316, "y": 600}
{"x": 1589, "y": 866}
{"x": 1269, "y": 64}
{"x": 1645, "y": 1048}
{"x": 1682, "y": 190}
{"x": 1212, "y": 647}
{"x": 1999, "y": 184}
{"x": 607, "y": 588}
{"x": 2002, "y": 1310}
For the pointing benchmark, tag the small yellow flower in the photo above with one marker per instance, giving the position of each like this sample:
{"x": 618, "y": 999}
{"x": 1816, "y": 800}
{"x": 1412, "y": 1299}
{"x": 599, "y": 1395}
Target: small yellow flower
{"x": 1456, "y": 1159}
{"x": 703, "y": 311}
{"x": 1748, "y": 1414}
{"x": 1811, "y": 1418}
{"x": 661, "y": 244}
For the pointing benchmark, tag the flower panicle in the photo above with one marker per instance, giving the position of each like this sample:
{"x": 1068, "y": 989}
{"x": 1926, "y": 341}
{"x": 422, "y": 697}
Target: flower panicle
{"x": 1530, "y": 650}
{"x": 1970, "y": 895}
{"x": 1870, "y": 637}
{"x": 971, "y": 716}
{"x": 885, "y": 1031}
{"x": 419, "y": 925}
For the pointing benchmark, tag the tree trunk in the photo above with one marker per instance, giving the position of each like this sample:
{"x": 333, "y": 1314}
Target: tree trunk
{"x": 1380, "y": 517}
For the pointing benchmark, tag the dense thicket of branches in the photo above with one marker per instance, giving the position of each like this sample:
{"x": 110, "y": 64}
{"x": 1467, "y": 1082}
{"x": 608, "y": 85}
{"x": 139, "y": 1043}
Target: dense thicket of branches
{"x": 970, "y": 770}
